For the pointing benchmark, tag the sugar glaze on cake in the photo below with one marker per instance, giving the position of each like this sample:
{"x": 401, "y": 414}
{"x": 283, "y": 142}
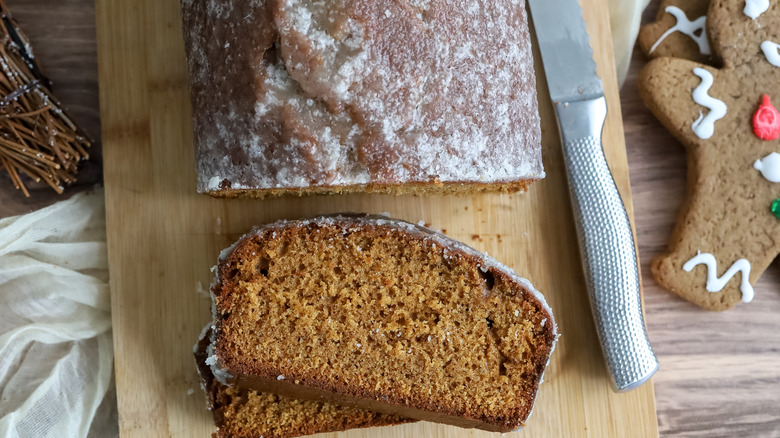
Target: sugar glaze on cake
{"x": 355, "y": 95}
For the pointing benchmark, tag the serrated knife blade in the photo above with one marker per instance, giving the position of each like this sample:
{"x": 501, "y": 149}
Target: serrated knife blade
{"x": 606, "y": 240}
{"x": 566, "y": 53}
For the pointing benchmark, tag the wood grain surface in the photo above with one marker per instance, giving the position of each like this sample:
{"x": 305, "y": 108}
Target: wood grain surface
{"x": 720, "y": 373}
{"x": 163, "y": 237}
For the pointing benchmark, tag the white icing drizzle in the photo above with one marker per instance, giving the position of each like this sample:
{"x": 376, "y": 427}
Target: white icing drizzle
{"x": 687, "y": 27}
{"x": 704, "y": 126}
{"x": 715, "y": 284}
{"x": 754, "y": 8}
{"x": 769, "y": 167}
{"x": 772, "y": 52}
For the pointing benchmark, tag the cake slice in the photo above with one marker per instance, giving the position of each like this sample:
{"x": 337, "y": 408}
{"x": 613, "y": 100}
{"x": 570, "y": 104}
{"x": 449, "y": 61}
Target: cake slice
{"x": 401, "y": 96}
{"x": 380, "y": 315}
{"x": 246, "y": 413}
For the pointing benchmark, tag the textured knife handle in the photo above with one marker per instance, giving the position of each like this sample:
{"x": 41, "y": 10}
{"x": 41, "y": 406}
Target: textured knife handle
{"x": 607, "y": 246}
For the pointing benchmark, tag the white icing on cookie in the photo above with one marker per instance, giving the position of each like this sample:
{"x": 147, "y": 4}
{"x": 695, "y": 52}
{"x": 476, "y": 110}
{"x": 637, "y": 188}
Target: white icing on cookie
{"x": 772, "y": 52}
{"x": 704, "y": 126}
{"x": 754, "y": 8}
{"x": 715, "y": 284}
{"x": 687, "y": 27}
{"x": 769, "y": 167}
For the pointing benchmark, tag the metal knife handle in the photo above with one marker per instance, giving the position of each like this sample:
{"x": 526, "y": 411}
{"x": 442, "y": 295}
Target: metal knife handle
{"x": 606, "y": 244}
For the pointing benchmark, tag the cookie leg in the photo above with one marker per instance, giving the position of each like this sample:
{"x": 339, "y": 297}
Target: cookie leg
{"x": 718, "y": 249}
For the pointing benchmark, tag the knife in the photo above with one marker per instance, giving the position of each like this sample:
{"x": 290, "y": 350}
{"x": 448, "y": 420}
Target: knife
{"x": 606, "y": 240}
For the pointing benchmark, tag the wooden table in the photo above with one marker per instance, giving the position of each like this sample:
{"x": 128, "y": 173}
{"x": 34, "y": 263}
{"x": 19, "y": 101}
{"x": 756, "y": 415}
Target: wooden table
{"x": 720, "y": 372}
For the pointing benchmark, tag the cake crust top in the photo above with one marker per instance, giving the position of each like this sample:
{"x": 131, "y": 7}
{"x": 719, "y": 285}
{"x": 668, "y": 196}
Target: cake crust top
{"x": 295, "y": 94}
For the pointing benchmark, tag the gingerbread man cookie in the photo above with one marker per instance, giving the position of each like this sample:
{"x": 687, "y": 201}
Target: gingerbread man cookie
{"x": 679, "y": 31}
{"x": 728, "y": 231}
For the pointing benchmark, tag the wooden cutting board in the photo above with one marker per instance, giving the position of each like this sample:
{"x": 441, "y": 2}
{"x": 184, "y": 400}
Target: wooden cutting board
{"x": 163, "y": 238}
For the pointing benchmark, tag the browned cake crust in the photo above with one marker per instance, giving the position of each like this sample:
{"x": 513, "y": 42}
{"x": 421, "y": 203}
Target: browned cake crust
{"x": 246, "y": 413}
{"x": 381, "y": 315}
{"x": 393, "y": 96}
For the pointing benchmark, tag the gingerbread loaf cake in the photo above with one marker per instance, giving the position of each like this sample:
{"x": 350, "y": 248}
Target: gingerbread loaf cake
{"x": 395, "y": 96}
{"x": 381, "y": 315}
{"x": 246, "y": 413}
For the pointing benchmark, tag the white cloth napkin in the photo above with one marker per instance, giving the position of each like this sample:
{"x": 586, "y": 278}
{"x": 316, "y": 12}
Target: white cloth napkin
{"x": 56, "y": 350}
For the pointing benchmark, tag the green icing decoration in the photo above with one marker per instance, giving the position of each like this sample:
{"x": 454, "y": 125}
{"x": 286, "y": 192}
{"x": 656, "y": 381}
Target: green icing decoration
{"x": 776, "y": 208}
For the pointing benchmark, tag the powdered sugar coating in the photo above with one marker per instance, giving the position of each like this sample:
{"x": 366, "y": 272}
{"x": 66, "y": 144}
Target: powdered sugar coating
{"x": 305, "y": 93}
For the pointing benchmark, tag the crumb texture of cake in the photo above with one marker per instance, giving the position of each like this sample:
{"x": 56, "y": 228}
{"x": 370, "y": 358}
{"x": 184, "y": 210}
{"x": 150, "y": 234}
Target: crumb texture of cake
{"x": 384, "y": 315}
{"x": 354, "y": 95}
{"x": 246, "y": 413}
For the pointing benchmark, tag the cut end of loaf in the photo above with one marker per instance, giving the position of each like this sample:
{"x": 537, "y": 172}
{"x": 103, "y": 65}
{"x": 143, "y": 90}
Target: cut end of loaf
{"x": 384, "y": 311}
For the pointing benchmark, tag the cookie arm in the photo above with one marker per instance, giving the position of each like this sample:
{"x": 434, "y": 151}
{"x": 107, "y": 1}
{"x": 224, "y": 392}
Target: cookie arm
{"x": 668, "y": 87}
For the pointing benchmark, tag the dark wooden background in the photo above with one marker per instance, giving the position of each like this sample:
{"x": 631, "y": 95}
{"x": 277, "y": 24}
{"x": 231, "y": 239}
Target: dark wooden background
{"x": 64, "y": 42}
{"x": 720, "y": 372}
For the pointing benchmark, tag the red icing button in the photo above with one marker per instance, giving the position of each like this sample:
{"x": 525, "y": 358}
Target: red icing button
{"x": 766, "y": 121}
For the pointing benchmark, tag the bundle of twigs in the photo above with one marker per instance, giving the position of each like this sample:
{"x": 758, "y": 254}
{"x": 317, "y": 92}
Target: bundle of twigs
{"x": 38, "y": 140}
